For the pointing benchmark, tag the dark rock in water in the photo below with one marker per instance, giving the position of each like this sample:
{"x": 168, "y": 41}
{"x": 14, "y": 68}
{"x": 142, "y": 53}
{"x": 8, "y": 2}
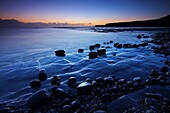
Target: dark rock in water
{"x": 93, "y": 55}
{"x": 106, "y": 97}
{"x": 67, "y": 109}
{"x": 111, "y": 41}
{"x": 154, "y": 73}
{"x": 137, "y": 79}
{"x": 55, "y": 80}
{"x": 84, "y": 88}
{"x": 115, "y": 44}
{"x": 97, "y": 45}
{"x": 163, "y": 82}
{"x": 91, "y": 47}
{"x": 72, "y": 82}
{"x": 75, "y": 104}
{"x": 104, "y": 43}
{"x": 35, "y": 84}
{"x": 109, "y": 81}
{"x": 119, "y": 46}
{"x": 99, "y": 111}
{"x": 58, "y": 92}
{"x": 148, "y": 102}
{"x": 101, "y": 52}
{"x": 42, "y": 75}
{"x": 164, "y": 69}
{"x": 139, "y": 36}
{"x": 39, "y": 99}
{"x": 127, "y": 45}
{"x": 145, "y": 36}
{"x": 144, "y": 44}
{"x": 80, "y": 50}
{"x": 60, "y": 53}
{"x": 151, "y": 95}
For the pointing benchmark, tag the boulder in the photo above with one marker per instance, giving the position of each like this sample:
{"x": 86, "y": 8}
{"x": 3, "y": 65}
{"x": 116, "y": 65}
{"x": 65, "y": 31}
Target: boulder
{"x": 93, "y": 55}
{"x": 84, "y": 88}
{"x": 60, "y": 53}
{"x": 35, "y": 84}
{"x": 119, "y": 46}
{"x": 55, "y": 80}
{"x": 72, "y": 82}
{"x": 91, "y": 47}
{"x": 38, "y": 99}
{"x": 115, "y": 44}
{"x": 58, "y": 93}
{"x": 80, "y": 50}
{"x": 42, "y": 75}
{"x": 101, "y": 52}
{"x": 97, "y": 45}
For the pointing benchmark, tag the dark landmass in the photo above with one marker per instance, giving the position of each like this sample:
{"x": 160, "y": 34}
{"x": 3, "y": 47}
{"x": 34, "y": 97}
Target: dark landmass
{"x": 12, "y": 23}
{"x": 161, "y": 22}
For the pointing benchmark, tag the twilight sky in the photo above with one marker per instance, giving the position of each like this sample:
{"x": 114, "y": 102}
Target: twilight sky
{"x": 83, "y": 11}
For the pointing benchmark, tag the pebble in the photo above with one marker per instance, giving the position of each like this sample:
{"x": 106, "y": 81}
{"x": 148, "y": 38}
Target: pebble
{"x": 148, "y": 102}
{"x": 67, "y": 109}
{"x": 58, "y": 92}
{"x": 106, "y": 97}
{"x": 137, "y": 79}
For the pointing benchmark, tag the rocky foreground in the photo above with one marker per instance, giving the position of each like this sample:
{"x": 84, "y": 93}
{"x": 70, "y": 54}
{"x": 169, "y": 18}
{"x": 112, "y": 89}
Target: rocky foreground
{"x": 105, "y": 95}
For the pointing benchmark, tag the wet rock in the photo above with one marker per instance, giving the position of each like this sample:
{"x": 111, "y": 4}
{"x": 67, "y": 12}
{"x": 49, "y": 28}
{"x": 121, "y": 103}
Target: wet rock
{"x": 58, "y": 92}
{"x": 99, "y": 80}
{"x": 137, "y": 79}
{"x": 121, "y": 81}
{"x": 145, "y": 36}
{"x": 42, "y": 75}
{"x": 139, "y": 36}
{"x": 115, "y": 44}
{"x": 101, "y": 52}
{"x": 144, "y": 44}
{"x": 66, "y": 101}
{"x": 150, "y": 111}
{"x": 164, "y": 69}
{"x": 89, "y": 80}
{"x": 55, "y": 80}
{"x": 94, "y": 84}
{"x": 106, "y": 97}
{"x": 111, "y": 41}
{"x": 91, "y": 47}
{"x": 148, "y": 102}
{"x": 99, "y": 111}
{"x": 97, "y": 45}
{"x": 72, "y": 82}
{"x": 60, "y": 53}
{"x": 135, "y": 85}
{"x": 80, "y": 50}
{"x": 84, "y": 88}
{"x": 127, "y": 45}
{"x": 163, "y": 82}
{"x": 35, "y": 84}
{"x": 154, "y": 73}
{"x": 67, "y": 109}
{"x": 39, "y": 99}
{"x": 75, "y": 103}
{"x": 93, "y": 55}
{"x": 119, "y": 46}
{"x": 109, "y": 81}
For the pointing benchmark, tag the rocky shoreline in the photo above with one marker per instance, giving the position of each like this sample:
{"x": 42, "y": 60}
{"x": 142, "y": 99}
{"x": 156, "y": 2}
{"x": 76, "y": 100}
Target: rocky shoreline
{"x": 100, "y": 95}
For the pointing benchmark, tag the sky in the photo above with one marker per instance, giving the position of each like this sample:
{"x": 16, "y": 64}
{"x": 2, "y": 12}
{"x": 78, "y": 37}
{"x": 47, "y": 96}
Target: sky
{"x": 83, "y": 11}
